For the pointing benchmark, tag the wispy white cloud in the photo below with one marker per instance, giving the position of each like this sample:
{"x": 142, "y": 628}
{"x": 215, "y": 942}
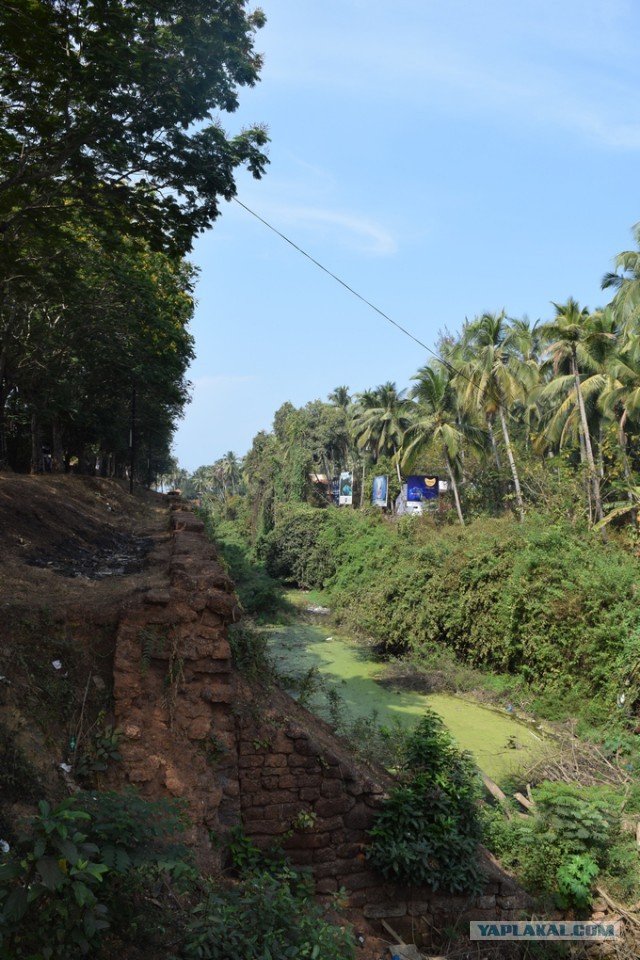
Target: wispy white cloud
{"x": 310, "y": 222}
{"x": 347, "y": 228}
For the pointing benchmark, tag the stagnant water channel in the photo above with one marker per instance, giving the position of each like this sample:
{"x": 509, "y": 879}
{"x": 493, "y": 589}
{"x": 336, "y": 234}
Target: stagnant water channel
{"x": 499, "y": 742}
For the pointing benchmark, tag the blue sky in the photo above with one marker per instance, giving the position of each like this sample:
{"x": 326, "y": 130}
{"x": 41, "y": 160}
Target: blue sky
{"x": 443, "y": 159}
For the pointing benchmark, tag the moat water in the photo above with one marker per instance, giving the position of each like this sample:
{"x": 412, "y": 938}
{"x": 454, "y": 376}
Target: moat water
{"x": 500, "y": 744}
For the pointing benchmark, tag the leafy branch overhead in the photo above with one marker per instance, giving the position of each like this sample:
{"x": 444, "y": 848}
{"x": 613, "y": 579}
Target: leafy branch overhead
{"x": 114, "y": 106}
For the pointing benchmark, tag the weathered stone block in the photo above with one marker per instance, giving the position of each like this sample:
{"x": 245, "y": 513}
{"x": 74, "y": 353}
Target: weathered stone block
{"x": 304, "y": 779}
{"x": 275, "y": 760}
{"x": 418, "y": 908}
{"x": 324, "y": 855}
{"x": 380, "y": 911}
{"x": 255, "y": 761}
{"x": 303, "y": 763}
{"x": 486, "y": 902}
{"x": 308, "y": 841}
{"x": 159, "y": 597}
{"x": 361, "y": 880}
{"x": 331, "y": 807}
{"x": 254, "y": 828}
{"x": 301, "y": 858}
{"x": 282, "y": 811}
{"x": 348, "y": 851}
{"x": 199, "y": 729}
{"x": 358, "y": 898}
{"x": 287, "y": 782}
{"x": 331, "y": 788}
{"x": 309, "y": 793}
{"x": 231, "y": 788}
{"x": 270, "y": 783}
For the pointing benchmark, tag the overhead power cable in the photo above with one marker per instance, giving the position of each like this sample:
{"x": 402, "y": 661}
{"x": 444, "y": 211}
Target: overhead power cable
{"x": 334, "y": 276}
{"x": 359, "y": 296}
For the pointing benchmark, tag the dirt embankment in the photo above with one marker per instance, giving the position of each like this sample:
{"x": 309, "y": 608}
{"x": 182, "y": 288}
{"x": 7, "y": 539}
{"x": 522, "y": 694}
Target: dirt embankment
{"x": 74, "y": 552}
{"x": 71, "y": 539}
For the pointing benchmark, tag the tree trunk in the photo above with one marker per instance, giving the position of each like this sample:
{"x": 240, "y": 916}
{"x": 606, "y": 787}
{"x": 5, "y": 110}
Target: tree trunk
{"x": 57, "y": 452}
{"x": 454, "y": 487}
{"x": 493, "y": 443}
{"x": 595, "y": 480}
{"x": 37, "y": 465}
{"x": 622, "y": 440}
{"x": 4, "y": 458}
{"x": 512, "y": 464}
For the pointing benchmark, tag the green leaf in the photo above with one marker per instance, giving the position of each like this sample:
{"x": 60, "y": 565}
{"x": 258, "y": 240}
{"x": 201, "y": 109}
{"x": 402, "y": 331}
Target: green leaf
{"x": 68, "y": 850}
{"x": 51, "y": 874}
{"x": 16, "y": 904}
{"x": 83, "y": 895}
{"x": 9, "y": 870}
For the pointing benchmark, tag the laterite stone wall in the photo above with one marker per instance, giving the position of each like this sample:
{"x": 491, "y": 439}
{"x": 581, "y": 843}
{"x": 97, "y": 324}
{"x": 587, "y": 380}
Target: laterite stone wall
{"x": 193, "y": 730}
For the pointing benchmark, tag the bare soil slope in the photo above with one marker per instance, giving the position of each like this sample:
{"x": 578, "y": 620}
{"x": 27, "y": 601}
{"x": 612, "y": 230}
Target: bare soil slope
{"x": 66, "y": 538}
{"x": 73, "y": 552}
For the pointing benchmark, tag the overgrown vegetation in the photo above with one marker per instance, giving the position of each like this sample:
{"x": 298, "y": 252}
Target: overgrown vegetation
{"x": 103, "y": 871}
{"x": 105, "y": 181}
{"x": 534, "y": 602}
{"x": 573, "y": 838}
{"x": 429, "y": 829}
{"x": 269, "y": 912}
{"x": 533, "y": 606}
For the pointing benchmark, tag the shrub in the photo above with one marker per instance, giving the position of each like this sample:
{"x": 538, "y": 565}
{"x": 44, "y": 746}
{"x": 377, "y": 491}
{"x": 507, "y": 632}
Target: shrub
{"x": 257, "y": 591}
{"x": 429, "y": 828}
{"x": 570, "y": 839}
{"x": 294, "y": 550}
{"x": 66, "y": 876}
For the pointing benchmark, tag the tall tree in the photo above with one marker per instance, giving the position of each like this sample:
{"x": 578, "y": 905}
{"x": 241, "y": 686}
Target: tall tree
{"x": 340, "y": 397}
{"x": 112, "y": 105}
{"x": 572, "y": 335}
{"x": 493, "y": 379}
{"x": 626, "y": 282}
{"x": 380, "y": 420}
{"x": 438, "y": 422}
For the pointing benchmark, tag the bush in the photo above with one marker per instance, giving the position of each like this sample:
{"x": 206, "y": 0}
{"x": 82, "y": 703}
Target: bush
{"x": 540, "y": 601}
{"x": 571, "y": 838}
{"x": 429, "y": 828}
{"x": 65, "y": 879}
{"x": 266, "y": 915}
{"x": 294, "y": 551}
{"x": 257, "y": 591}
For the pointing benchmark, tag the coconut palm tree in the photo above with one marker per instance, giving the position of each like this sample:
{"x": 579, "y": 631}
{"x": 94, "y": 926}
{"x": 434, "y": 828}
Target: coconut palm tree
{"x": 437, "y": 421}
{"x": 493, "y": 378}
{"x": 626, "y": 302}
{"x": 574, "y": 337}
{"x": 340, "y": 397}
{"x": 230, "y": 468}
{"x": 380, "y": 420}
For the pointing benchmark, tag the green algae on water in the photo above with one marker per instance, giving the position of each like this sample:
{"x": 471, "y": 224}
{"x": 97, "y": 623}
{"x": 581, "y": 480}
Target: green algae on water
{"x": 498, "y": 742}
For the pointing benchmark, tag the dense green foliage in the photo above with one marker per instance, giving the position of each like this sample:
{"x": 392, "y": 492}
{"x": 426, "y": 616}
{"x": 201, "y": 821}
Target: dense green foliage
{"x": 73, "y": 868}
{"x": 572, "y": 839}
{"x": 270, "y": 914}
{"x": 258, "y": 592}
{"x": 539, "y": 600}
{"x": 111, "y": 162}
{"x": 112, "y": 106}
{"x": 429, "y": 828}
{"x": 102, "y": 872}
